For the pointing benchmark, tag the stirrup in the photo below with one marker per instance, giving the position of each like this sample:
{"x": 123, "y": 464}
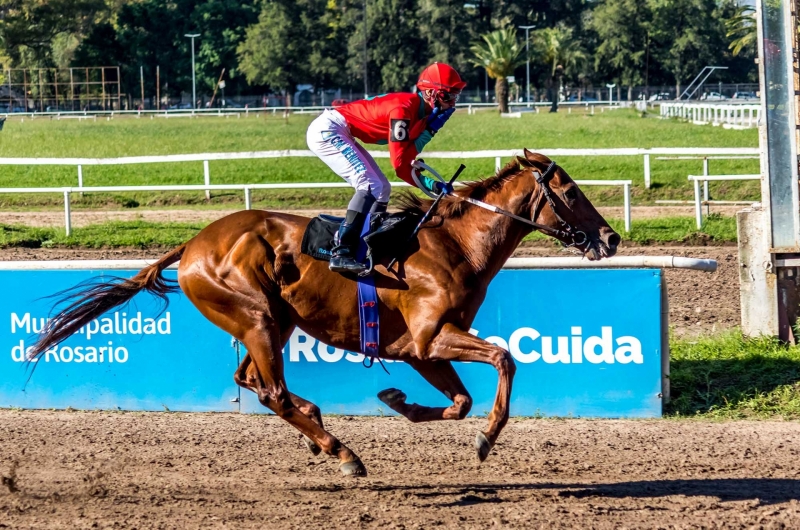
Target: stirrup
{"x": 349, "y": 264}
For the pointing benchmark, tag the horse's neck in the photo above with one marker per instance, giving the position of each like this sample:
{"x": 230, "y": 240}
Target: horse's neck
{"x": 488, "y": 239}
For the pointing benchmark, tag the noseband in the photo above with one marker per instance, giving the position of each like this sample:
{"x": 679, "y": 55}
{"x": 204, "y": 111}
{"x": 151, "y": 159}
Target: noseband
{"x": 567, "y": 231}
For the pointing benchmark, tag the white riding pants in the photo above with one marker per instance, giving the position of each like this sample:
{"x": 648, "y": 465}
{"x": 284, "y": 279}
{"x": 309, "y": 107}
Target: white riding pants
{"x": 330, "y": 139}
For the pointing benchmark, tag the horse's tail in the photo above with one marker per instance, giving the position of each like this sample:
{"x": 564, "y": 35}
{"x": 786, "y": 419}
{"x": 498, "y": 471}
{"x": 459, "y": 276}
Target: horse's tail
{"x": 87, "y": 302}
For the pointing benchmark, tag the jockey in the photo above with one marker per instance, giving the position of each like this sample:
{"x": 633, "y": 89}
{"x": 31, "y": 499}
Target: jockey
{"x": 406, "y": 121}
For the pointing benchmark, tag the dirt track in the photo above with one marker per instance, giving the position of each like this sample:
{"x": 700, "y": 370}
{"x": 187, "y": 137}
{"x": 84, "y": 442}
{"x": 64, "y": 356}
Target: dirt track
{"x": 159, "y": 470}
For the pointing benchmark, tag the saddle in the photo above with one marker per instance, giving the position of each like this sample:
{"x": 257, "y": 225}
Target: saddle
{"x": 387, "y": 236}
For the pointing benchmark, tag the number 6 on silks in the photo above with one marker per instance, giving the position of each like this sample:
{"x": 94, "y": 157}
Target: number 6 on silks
{"x": 399, "y": 130}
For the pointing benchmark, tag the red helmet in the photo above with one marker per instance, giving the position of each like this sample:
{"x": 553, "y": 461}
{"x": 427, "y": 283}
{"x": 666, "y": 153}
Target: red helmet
{"x": 440, "y": 76}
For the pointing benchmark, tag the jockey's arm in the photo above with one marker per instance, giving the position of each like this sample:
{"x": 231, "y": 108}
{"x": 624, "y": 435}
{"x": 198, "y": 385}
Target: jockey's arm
{"x": 402, "y": 149}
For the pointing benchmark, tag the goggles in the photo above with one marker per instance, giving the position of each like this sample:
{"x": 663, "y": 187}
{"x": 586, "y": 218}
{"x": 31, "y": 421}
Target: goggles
{"x": 448, "y": 97}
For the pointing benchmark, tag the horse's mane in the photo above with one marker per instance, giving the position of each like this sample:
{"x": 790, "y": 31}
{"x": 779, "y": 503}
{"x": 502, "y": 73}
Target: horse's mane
{"x": 450, "y": 208}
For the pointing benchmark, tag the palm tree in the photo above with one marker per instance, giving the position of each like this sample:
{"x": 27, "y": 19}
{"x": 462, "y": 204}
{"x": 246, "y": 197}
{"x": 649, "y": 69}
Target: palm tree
{"x": 499, "y": 54}
{"x": 562, "y": 53}
{"x": 742, "y": 28}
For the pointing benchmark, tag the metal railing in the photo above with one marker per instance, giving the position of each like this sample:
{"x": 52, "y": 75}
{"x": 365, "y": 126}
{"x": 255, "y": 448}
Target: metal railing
{"x": 248, "y": 188}
{"x": 704, "y": 199}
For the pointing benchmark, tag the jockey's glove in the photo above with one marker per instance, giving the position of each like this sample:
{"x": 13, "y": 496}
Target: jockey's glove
{"x": 434, "y": 186}
{"x": 438, "y": 118}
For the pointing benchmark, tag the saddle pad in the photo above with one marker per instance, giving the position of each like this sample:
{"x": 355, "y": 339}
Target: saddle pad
{"x": 387, "y": 235}
{"x": 318, "y": 238}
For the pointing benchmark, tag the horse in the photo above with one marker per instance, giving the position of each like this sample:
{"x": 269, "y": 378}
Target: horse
{"x": 246, "y": 274}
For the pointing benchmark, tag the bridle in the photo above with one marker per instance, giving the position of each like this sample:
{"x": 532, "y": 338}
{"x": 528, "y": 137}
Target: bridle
{"x": 567, "y": 231}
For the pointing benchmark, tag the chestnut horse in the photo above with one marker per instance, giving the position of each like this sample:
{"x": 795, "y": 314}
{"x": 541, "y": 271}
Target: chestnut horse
{"x": 246, "y": 274}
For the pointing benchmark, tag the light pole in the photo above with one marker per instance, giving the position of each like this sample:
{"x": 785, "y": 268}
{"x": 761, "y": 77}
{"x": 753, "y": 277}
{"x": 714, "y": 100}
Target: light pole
{"x": 366, "y": 59}
{"x": 527, "y": 62}
{"x": 194, "y": 91}
{"x": 610, "y": 93}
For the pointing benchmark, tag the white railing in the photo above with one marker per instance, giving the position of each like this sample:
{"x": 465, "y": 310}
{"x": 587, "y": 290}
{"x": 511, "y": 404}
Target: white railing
{"x": 247, "y": 189}
{"x": 558, "y": 262}
{"x": 246, "y": 111}
{"x": 731, "y": 115}
{"x": 498, "y": 156}
{"x": 705, "y": 179}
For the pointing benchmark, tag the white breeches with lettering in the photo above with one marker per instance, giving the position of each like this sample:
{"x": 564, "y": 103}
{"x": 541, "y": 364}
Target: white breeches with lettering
{"x": 330, "y": 139}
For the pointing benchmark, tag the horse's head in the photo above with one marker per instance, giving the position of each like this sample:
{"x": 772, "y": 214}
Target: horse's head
{"x": 559, "y": 204}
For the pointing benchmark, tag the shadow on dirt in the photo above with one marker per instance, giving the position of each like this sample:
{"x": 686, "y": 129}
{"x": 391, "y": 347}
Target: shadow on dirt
{"x": 764, "y": 490}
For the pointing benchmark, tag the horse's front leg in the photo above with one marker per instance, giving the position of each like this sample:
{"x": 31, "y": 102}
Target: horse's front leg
{"x": 453, "y": 344}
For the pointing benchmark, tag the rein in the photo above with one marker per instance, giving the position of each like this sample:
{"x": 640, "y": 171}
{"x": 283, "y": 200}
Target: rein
{"x": 567, "y": 231}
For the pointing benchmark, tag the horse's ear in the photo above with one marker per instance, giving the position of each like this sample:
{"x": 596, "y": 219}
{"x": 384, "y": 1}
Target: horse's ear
{"x": 524, "y": 162}
{"x": 528, "y": 154}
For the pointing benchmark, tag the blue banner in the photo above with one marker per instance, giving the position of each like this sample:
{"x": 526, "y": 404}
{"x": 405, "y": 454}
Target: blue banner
{"x": 585, "y": 343}
{"x": 133, "y": 358}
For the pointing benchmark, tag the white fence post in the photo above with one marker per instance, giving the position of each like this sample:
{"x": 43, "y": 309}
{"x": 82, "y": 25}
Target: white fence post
{"x": 647, "y": 171}
{"x": 705, "y": 185}
{"x": 698, "y": 207}
{"x": 627, "y": 187}
{"x": 67, "y": 214}
{"x": 247, "y": 201}
{"x": 207, "y": 179}
{"x": 80, "y": 177}
{"x": 497, "y": 163}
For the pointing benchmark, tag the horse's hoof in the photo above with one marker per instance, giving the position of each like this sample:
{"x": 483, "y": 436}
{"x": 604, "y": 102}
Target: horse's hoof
{"x": 314, "y": 448}
{"x": 483, "y": 446}
{"x": 353, "y": 469}
{"x": 392, "y": 396}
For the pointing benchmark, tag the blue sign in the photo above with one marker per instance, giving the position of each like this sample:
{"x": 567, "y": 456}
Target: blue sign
{"x": 133, "y": 358}
{"x": 585, "y": 343}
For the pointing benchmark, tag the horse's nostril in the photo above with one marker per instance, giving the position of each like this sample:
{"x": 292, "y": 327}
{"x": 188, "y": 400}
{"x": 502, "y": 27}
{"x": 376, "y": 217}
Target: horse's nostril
{"x": 613, "y": 240}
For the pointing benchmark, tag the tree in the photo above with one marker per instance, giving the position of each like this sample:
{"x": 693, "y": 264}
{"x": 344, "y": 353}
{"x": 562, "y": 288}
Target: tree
{"x": 221, "y": 25}
{"x": 38, "y": 34}
{"x": 689, "y": 35}
{"x": 446, "y": 26}
{"x": 293, "y": 42}
{"x": 563, "y": 54}
{"x": 396, "y": 51}
{"x": 623, "y": 30}
{"x": 499, "y": 54}
{"x": 741, "y": 28}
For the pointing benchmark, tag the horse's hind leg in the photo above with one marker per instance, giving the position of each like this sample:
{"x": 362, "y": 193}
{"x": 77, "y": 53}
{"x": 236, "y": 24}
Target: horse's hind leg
{"x": 264, "y": 346}
{"x": 443, "y": 377}
{"x": 246, "y": 376}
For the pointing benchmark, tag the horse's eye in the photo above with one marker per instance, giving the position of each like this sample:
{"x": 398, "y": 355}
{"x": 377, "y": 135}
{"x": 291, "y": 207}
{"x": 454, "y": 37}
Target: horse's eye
{"x": 571, "y": 194}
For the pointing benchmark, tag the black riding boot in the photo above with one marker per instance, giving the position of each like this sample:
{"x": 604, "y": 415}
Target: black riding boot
{"x": 347, "y": 241}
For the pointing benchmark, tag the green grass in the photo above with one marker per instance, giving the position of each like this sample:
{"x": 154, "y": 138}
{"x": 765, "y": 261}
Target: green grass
{"x": 482, "y": 131}
{"x": 731, "y": 377}
{"x": 137, "y": 234}
{"x": 716, "y": 230}
{"x": 141, "y": 234}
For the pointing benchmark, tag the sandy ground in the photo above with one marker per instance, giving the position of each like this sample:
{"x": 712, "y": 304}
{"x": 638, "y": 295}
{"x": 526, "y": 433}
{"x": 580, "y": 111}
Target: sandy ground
{"x": 87, "y": 217}
{"x": 162, "y": 470}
